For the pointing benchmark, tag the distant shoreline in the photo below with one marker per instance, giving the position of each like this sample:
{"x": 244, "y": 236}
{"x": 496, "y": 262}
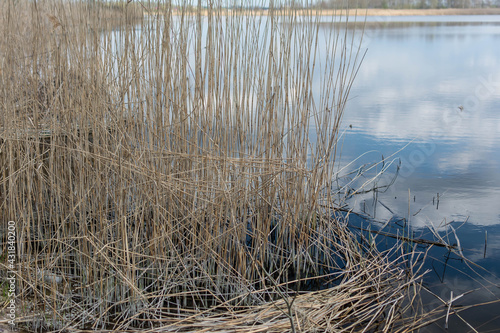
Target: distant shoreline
{"x": 422, "y": 12}
{"x": 353, "y": 12}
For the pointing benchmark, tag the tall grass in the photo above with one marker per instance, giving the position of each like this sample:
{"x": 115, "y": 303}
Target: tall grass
{"x": 181, "y": 169}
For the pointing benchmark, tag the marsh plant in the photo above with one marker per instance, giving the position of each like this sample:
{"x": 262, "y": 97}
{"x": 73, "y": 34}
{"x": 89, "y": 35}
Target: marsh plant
{"x": 177, "y": 171}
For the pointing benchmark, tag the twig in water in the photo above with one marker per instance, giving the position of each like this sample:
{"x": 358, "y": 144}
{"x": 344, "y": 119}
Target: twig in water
{"x": 449, "y": 309}
{"x": 485, "y": 241}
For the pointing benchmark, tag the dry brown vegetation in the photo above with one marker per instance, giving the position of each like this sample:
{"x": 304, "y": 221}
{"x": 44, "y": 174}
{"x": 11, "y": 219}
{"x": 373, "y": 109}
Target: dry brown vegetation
{"x": 420, "y": 12}
{"x": 360, "y": 12}
{"x": 412, "y": 12}
{"x": 165, "y": 177}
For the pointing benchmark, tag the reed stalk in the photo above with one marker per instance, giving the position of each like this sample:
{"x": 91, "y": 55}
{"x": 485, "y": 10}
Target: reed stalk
{"x": 177, "y": 171}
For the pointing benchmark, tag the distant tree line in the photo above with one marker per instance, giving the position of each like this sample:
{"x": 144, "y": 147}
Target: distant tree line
{"x": 406, "y": 4}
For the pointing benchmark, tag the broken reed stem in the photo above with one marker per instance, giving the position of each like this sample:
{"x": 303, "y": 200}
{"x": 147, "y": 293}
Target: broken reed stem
{"x": 485, "y": 242}
{"x": 156, "y": 169}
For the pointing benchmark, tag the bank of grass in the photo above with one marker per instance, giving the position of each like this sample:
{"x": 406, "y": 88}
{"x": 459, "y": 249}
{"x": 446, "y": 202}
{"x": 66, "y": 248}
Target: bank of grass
{"x": 413, "y": 12}
{"x": 361, "y": 12}
{"x": 166, "y": 177}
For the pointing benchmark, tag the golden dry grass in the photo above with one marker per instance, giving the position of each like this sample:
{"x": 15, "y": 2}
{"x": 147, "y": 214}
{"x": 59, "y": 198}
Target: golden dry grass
{"x": 361, "y": 12}
{"x": 416, "y": 12}
{"x": 165, "y": 177}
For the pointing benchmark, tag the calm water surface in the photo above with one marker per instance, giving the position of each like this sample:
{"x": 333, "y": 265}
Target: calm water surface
{"x": 435, "y": 91}
{"x": 428, "y": 96}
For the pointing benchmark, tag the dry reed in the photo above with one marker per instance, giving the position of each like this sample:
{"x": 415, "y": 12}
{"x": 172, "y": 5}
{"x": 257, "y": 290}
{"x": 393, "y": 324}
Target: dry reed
{"x": 164, "y": 175}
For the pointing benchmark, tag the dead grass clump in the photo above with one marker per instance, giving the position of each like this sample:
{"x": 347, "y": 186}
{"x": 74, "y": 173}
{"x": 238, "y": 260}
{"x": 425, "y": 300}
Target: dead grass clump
{"x": 183, "y": 172}
{"x": 375, "y": 297}
{"x": 42, "y": 103}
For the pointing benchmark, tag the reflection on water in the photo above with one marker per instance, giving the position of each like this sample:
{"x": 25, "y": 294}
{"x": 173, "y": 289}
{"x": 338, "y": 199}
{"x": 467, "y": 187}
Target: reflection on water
{"x": 428, "y": 94}
{"x": 439, "y": 98}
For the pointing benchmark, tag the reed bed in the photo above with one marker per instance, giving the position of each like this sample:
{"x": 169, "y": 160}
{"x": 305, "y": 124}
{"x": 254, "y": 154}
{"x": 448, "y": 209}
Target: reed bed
{"x": 178, "y": 174}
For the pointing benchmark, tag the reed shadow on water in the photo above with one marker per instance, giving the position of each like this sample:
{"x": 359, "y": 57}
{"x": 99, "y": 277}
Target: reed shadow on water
{"x": 164, "y": 177}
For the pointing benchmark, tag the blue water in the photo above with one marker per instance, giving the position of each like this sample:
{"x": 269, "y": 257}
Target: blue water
{"x": 435, "y": 93}
{"x": 427, "y": 98}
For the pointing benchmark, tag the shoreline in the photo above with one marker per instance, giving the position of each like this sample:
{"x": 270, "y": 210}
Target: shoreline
{"x": 422, "y": 12}
{"x": 343, "y": 12}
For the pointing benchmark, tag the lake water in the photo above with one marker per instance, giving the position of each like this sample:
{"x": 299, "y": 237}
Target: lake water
{"x": 428, "y": 96}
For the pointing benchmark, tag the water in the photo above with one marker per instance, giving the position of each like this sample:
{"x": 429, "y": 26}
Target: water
{"x": 410, "y": 92}
{"x": 428, "y": 96}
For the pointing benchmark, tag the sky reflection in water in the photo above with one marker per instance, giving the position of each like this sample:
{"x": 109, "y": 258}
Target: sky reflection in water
{"x": 428, "y": 93}
{"x": 408, "y": 92}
